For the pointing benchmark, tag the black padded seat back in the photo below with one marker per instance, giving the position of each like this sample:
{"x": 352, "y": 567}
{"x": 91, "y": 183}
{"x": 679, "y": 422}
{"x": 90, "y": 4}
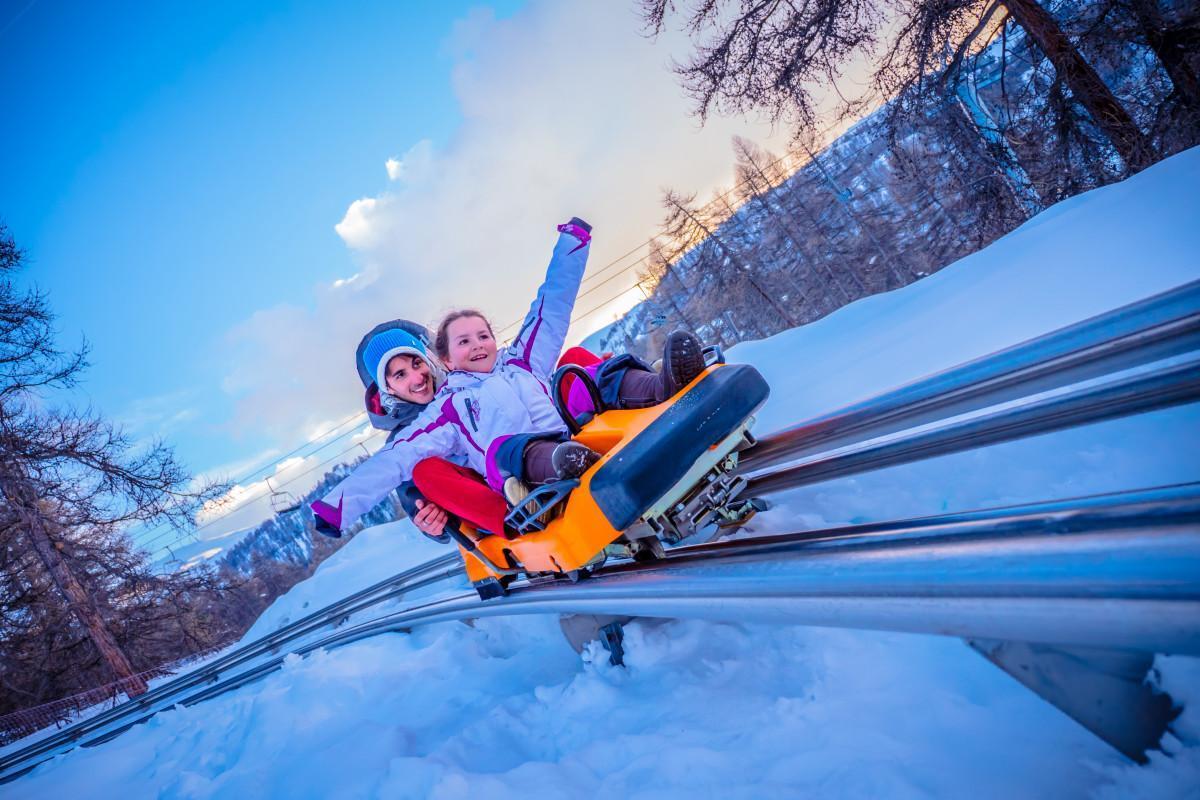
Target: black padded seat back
{"x": 642, "y": 471}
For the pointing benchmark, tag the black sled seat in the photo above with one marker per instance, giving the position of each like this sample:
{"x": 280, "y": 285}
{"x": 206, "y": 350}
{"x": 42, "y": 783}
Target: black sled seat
{"x": 628, "y": 484}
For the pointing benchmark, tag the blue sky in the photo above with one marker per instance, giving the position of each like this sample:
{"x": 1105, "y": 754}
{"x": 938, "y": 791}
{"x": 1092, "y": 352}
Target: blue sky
{"x": 203, "y": 187}
{"x": 153, "y": 137}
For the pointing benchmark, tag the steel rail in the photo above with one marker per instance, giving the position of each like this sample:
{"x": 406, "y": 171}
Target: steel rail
{"x": 162, "y": 696}
{"x": 1118, "y": 571}
{"x": 1158, "y": 327}
{"x": 1132, "y": 584}
{"x": 1157, "y": 389}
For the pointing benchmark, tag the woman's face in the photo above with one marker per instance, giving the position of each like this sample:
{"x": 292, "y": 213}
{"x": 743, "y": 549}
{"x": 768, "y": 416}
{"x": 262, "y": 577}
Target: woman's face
{"x": 471, "y": 344}
{"x": 408, "y": 378}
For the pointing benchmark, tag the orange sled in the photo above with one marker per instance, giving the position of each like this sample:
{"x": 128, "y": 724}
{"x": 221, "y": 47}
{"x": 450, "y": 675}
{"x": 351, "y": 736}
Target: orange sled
{"x": 665, "y": 472}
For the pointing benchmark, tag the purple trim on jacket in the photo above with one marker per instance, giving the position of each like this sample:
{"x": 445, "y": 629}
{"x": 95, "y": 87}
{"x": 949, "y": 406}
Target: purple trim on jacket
{"x": 579, "y": 233}
{"x": 450, "y": 413}
{"x": 494, "y": 478}
{"x": 328, "y": 513}
{"x": 442, "y": 419}
{"x": 523, "y": 361}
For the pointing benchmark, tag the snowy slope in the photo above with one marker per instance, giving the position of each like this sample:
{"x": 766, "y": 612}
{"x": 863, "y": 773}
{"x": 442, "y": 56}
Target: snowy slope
{"x": 373, "y": 555}
{"x": 506, "y": 708}
{"x": 1087, "y": 255}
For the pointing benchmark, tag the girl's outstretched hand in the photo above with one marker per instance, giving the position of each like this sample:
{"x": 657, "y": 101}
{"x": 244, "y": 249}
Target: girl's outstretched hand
{"x": 430, "y": 519}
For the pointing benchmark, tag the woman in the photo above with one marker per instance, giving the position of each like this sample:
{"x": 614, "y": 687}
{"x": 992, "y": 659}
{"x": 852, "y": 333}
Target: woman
{"x": 400, "y": 379}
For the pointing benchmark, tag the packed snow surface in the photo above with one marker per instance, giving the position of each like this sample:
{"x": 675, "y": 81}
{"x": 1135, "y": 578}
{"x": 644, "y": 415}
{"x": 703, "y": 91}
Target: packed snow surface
{"x": 506, "y": 708}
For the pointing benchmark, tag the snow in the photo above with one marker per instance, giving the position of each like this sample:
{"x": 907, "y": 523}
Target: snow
{"x": 373, "y": 555}
{"x": 505, "y": 707}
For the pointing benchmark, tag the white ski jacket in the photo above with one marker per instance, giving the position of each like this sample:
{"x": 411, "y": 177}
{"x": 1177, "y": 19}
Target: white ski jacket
{"x": 474, "y": 412}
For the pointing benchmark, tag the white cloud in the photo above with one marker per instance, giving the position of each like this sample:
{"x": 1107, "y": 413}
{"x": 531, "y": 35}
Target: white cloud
{"x": 356, "y": 227}
{"x": 289, "y": 464}
{"x": 567, "y": 110}
{"x": 156, "y": 416}
{"x": 416, "y": 166}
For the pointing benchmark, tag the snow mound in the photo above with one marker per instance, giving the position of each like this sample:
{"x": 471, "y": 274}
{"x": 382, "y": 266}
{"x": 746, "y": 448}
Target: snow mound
{"x": 373, "y": 555}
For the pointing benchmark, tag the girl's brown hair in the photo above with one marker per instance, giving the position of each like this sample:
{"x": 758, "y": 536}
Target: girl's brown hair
{"x": 441, "y": 342}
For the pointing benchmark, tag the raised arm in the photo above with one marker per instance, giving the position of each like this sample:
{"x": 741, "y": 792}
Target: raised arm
{"x": 434, "y": 433}
{"x": 540, "y": 340}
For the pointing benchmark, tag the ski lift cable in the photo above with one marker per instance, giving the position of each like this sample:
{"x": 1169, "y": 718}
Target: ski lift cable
{"x": 718, "y": 198}
{"x": 311, "y": 440}
{"x": 246, "y": 501}
{"x": 593, "y": 288}
{"x": 275, "y": 463}
{"x": 167, "y": 528}
{"x": 258, "y": 496}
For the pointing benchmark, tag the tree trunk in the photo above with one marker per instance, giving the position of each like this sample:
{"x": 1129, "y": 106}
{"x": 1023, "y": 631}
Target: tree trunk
{"x": 1083, "y": 81}
{"x": 658, "y": 257}
{"x": 775, "y": 205}
{"x": 1172, "y": 51}
{"x": 743, "y": 268}
{"x": 864, "y": 229}
{"x": 81, "y": 603}
{"x": 678, "y": 308}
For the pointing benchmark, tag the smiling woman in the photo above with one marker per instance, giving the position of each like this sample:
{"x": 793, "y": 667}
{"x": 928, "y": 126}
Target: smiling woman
{"x": 398, "y": 372}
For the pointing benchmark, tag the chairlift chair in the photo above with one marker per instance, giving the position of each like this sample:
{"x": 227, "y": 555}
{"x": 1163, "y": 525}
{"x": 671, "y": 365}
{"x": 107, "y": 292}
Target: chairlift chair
{"x": 282, "y": 502}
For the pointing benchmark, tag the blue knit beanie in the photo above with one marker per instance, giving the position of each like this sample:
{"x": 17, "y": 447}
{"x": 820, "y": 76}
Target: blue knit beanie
{"x": 386, "y": 344}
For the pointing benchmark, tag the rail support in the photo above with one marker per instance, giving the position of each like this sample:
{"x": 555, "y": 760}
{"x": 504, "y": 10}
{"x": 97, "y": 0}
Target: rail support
{"x": 1103, "y": 690}
{"x": 579, "y": 629}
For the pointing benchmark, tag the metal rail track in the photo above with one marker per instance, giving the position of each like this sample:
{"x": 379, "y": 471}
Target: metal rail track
{"x": 1115, "y": 571}
{"x": 1157, "y": 389}
{"x": 1159, "y": 327}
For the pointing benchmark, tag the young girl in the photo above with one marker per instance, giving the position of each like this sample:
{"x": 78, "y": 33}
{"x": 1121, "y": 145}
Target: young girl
{"x": 495, "y": 406}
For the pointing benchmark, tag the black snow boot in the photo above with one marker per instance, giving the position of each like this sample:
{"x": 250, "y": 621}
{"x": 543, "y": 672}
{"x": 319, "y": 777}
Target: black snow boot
{"x": 683, "y": 360}
{"x": 572, "y": 459}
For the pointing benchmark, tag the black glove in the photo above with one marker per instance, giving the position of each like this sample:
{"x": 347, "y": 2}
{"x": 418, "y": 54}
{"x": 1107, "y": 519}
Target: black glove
{"x": 325, "y": 528}
{"x": 580, "y": 223}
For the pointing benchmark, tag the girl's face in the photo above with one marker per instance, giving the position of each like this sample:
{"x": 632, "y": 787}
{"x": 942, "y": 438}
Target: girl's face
{"x": 471, "y": 345}
{"x": 408, "y": 378}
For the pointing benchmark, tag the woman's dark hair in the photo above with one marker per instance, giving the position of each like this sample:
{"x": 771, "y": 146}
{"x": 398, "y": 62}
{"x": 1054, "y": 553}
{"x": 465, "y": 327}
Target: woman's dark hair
{"x": 441, "y": 342}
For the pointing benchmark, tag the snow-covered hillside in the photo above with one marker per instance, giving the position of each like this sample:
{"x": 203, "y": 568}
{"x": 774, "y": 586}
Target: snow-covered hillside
{"x": 506, "y": 708}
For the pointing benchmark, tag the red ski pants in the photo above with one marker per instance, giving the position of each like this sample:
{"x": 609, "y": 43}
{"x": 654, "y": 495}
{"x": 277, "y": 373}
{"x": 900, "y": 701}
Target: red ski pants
{"x": 462, "y": 492}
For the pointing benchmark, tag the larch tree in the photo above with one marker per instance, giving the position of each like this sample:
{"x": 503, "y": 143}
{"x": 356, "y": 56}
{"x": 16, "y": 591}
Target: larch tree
{"x": 70, "y": 481}
{"x": 768, "y": 55}
{"x": 689, "y": 224}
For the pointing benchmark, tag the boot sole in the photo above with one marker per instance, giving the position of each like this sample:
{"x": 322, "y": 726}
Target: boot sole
{"x": 573, "y": 463}
{"x": 685, "y": 360}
